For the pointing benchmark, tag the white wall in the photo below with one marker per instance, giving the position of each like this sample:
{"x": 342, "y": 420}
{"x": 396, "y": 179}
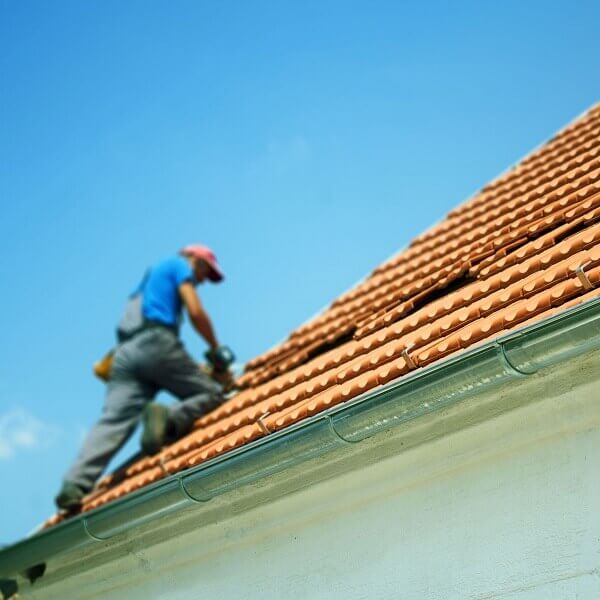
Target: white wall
{"x": 507, "y": 508}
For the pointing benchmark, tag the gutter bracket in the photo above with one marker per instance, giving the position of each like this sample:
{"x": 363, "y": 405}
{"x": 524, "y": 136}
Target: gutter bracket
{"x": 582, "y": 276}
{"x": 261, "y": 423}
{"x": 518, "y": 372}
{"x": 406, "y": 356}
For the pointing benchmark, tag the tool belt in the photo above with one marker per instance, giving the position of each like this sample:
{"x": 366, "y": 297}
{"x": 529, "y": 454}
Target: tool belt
{"x": 146, "y": 325}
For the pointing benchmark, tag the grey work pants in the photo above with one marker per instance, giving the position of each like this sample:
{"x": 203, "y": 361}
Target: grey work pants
{"x": 152, "y": 360}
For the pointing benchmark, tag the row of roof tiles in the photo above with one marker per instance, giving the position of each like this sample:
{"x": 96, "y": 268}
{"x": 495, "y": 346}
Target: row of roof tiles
{"x": 524, "y": 248}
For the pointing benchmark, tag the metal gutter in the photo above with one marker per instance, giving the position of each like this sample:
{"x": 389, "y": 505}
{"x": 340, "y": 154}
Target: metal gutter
{"x": 516, "y": 355}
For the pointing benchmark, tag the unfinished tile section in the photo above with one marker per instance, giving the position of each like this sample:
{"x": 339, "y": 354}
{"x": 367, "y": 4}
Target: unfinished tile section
{"x": 525, "y": 247}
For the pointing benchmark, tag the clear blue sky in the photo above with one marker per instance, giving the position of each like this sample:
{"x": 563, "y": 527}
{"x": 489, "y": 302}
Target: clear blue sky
{"x": 305, "y": 141}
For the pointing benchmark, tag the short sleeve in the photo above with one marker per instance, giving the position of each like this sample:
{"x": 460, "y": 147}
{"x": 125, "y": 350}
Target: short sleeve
{"x": 182, "y": 271}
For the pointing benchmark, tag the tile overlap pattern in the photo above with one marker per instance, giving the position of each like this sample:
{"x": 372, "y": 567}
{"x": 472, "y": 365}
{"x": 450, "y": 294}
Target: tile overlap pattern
{"x": 525, "y": 247}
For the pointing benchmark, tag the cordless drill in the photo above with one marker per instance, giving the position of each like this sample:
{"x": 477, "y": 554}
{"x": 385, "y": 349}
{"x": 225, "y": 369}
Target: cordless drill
{"x": 220, "y": 358}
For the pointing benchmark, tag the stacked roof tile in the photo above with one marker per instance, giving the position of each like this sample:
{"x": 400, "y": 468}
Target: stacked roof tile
{"x": 525, "y": 247}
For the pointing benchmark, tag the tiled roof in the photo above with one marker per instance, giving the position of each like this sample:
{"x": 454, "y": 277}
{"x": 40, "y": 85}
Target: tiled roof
{"x": 525, "y": 247}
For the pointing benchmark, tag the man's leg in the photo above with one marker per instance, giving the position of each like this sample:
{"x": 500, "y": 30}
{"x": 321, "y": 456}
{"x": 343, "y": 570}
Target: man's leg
{"x": 180, "y": 375}
{"x": 125, "y": 399}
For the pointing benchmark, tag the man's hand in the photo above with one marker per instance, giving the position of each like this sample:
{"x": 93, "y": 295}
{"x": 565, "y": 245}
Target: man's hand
{"x": 225, "y": 379}
{"x": 220, "y": 358}
{"x": 198, "y": 316}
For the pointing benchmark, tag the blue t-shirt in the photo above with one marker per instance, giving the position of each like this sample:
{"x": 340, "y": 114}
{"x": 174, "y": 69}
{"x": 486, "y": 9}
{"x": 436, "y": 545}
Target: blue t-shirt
{"x": 160, "y": 288}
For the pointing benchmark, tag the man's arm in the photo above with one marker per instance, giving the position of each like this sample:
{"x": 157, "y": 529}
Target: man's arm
{"x": 198, "y": 316}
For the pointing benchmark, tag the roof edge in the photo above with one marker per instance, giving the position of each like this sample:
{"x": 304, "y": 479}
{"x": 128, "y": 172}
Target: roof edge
{"x": 516, "y": 355}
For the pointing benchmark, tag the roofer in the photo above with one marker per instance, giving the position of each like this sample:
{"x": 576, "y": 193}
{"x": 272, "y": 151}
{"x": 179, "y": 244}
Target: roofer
{"x": 150, "y": 357}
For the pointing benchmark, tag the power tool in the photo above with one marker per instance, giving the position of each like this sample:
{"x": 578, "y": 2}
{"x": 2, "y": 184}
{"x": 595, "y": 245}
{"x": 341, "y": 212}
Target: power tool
{"x": 220, "y": 358}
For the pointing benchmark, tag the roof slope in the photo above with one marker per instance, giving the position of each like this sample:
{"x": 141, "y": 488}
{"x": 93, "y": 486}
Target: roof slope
{"x": 522, "y": 249}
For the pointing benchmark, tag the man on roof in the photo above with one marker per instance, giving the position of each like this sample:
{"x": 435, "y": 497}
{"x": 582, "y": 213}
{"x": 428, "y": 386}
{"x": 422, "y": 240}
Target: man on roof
{"x": 150, "y": 357}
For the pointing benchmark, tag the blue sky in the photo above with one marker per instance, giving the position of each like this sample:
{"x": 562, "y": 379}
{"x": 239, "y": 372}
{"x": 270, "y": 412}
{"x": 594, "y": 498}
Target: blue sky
{"x": 305, "y": 141}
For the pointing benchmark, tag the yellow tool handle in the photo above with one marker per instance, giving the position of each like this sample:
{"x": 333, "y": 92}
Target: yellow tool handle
{"x": 103, "y": 367}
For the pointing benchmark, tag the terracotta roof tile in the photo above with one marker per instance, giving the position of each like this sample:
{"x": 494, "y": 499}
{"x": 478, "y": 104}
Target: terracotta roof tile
{"x": 525, "y": 247}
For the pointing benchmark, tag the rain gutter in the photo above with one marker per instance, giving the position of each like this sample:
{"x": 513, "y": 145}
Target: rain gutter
{"x": 516, "y": 355}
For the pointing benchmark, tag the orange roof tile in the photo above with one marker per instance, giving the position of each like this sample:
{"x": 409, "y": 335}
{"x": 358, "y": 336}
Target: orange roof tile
{"x": 524, "y": 248}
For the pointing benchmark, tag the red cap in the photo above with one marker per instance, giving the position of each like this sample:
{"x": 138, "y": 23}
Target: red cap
{"x": 215, "y": 274}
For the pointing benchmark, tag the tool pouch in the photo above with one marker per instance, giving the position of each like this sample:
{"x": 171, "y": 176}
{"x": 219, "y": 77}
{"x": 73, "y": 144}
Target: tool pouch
{"x": 103, "y": 367}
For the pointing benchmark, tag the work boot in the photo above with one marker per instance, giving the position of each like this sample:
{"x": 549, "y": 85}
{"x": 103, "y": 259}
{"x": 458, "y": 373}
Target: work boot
{"x": 70, "y": 496}
{"x": 156, "y": 427}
